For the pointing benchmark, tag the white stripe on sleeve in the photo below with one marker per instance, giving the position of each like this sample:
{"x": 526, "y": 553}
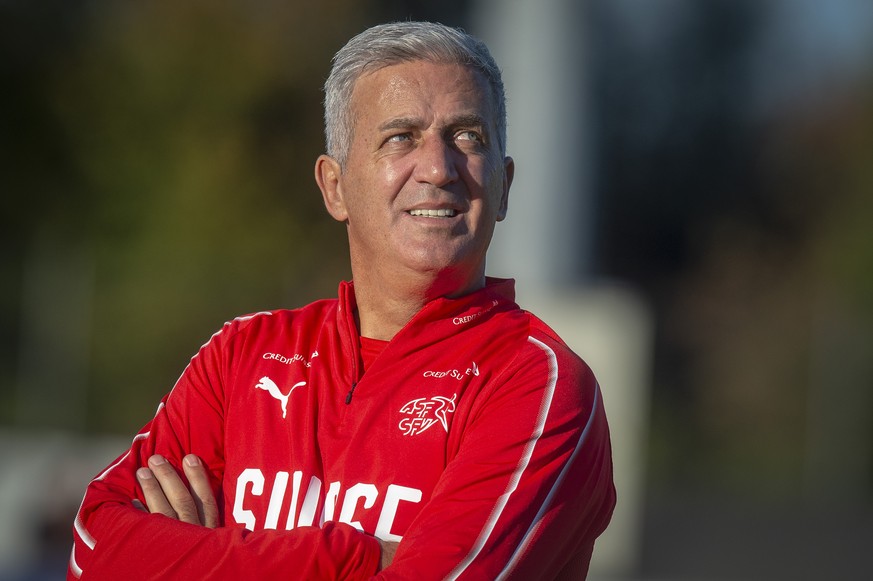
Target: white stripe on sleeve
{"x": 522, "y": 547}
{"x": 523, "y": 462}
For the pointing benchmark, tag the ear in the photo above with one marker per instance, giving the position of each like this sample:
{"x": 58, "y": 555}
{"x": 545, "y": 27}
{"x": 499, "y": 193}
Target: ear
{"x": 328, "y": 175}
{"x": 508, "y": 174}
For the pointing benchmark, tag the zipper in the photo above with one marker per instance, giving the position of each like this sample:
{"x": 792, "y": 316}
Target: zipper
{"x": 354, "y": 339}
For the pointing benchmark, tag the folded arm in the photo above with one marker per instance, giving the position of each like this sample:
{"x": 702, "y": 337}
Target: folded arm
{"x": 165, "y": 493}
{"x": 115, "y": 539}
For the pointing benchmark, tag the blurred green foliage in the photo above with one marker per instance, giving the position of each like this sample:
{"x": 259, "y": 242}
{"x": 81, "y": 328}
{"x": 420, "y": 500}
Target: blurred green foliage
{"x": 735, "y": 176}
{"x": 775, "y": 319}
{"x": 171, "y": 145}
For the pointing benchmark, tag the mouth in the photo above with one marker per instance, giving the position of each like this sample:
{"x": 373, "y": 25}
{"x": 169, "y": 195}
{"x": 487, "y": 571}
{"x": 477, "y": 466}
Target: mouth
{"x": 433, "y": 213}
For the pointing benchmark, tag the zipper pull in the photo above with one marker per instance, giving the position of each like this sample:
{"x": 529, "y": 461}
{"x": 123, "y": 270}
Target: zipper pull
{"x": 351, "y": 391}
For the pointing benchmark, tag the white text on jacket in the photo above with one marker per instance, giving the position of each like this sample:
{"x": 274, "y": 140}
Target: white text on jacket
{"x": 251, "y": 482}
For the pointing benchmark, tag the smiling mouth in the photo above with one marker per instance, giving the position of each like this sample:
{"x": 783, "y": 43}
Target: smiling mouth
{"x": 441, "y": 213}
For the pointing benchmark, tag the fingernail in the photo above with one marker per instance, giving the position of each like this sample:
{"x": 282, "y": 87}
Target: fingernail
{"x": 157, "y": 460}
{"x": 144, "y": 474}
{"x": 192, "y": 460}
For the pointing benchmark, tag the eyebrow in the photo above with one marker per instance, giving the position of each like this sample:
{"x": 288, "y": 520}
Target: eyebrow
{"x": 400, "y": 123}
{"x": 465, "y": 120}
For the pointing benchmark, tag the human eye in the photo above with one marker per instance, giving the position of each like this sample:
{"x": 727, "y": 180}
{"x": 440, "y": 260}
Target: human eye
{"x": 398, "y": 138}
{"x": 469, "y": 135}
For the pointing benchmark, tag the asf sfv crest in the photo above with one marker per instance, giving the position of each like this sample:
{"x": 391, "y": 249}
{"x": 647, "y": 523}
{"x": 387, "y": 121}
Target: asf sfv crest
{"x": 423, "y": 412}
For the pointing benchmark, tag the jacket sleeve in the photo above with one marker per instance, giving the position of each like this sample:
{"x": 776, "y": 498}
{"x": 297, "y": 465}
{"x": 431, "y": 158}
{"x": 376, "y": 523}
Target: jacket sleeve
{"x": 113, "y": 540}
{"x": 529, "y": 487}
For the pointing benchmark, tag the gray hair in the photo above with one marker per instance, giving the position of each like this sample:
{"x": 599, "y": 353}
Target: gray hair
{"x": 394, "y": 43}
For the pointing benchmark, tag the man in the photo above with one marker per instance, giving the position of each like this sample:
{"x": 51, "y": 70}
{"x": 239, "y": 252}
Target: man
{"x": 419, "y": 426}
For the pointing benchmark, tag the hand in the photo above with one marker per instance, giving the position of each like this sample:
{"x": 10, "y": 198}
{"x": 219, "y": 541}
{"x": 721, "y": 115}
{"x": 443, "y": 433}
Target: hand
{"x": 166, "y": 494}
{"x": 388, "y": 550}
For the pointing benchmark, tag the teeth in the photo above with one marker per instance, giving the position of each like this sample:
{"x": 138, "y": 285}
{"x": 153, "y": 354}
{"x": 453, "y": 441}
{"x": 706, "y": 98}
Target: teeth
{"x": 433, "y": 213}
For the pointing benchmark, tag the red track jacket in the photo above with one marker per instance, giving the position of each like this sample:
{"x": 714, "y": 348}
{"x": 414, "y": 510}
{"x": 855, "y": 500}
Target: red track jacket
{"x": 477, "y": 437}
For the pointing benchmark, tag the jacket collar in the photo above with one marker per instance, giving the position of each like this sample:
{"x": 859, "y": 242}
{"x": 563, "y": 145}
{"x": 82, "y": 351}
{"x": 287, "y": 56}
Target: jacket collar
{"x": 496, "y": 292}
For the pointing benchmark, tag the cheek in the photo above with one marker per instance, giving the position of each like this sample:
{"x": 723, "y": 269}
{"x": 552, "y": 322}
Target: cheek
{"x": 486, "y": 181}
{"x": 381, "y": 176}
{"x": 392, "y": 174}
{"x": 486, "y": 170}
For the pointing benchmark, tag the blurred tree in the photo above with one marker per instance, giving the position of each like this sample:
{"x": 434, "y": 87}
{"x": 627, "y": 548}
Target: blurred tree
{"x": 175, "y": 146}
{"x": 159, "y": 159}
{"x": 37, "y": 174}
{"x": 780, "y": 315}
{"x": 751, "y": 234}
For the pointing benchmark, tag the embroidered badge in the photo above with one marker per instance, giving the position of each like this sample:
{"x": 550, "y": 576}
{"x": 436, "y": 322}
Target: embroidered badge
{"x": 422, "y": 413}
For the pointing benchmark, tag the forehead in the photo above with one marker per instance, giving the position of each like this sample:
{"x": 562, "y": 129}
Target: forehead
{"x": 421, "y": 88}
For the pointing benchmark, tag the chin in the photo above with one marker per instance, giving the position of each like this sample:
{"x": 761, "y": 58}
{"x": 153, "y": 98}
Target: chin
{"x": 456, "y": 273}
{"x": 444, "y": 257}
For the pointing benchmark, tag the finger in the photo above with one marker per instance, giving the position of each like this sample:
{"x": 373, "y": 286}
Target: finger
{"x": 201, "y": 490}
{"x": 389, "y": 548}
{"x": 174, "y": 490}
{"x": 137, "y": 504}
{"x": 155, "y": 500}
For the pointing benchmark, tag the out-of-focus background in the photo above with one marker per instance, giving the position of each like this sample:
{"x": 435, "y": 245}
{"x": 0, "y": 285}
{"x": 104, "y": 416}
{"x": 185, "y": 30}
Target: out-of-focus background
{"x": 693, "y": 211}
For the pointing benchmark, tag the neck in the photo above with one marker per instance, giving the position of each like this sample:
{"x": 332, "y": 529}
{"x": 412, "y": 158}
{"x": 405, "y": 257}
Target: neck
{"x": 384, "y": 307}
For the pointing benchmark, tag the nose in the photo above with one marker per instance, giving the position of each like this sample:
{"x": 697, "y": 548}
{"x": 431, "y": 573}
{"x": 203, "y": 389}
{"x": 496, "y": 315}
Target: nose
{"x": 436, "y": 164}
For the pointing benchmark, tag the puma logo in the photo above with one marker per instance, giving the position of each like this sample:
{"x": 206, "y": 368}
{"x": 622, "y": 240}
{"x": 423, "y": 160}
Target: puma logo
{"x": 270, "y": 387}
